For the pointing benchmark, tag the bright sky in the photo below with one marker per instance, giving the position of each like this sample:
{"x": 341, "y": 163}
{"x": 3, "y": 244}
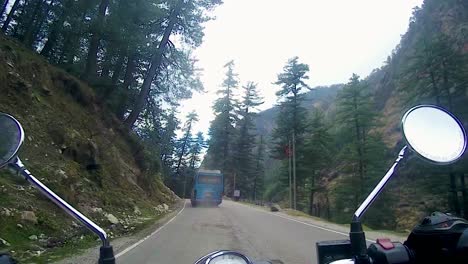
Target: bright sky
{"x": 334, "y": 37}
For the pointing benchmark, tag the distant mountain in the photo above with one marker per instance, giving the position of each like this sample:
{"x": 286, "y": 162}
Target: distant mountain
{"x": 322, "y": 97}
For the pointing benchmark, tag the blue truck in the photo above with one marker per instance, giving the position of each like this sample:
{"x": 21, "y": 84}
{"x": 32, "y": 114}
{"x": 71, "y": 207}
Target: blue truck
{"x": 208, "y": 188}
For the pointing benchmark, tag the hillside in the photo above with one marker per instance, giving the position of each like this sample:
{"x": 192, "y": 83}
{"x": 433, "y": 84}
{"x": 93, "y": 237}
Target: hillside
{"x": 321, "y": 97}
{"x": 81, "y": 151}
{"x": 399, "y": 84}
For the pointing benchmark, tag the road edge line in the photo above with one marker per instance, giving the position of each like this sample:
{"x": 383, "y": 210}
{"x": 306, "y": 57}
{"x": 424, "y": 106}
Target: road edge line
{"x": 125, "y": 251}
{"x": 304, "y": 223}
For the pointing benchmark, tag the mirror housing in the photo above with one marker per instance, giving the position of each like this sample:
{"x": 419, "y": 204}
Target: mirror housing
{"x": 434, "y": 134}
{"x": 11, "y": 138}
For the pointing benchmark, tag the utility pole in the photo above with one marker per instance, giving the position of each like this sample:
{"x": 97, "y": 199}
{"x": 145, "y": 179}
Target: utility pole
{"x": 234, "y": 187}
{"x": 290, "y": 178}
{"x": 294, "y": 166}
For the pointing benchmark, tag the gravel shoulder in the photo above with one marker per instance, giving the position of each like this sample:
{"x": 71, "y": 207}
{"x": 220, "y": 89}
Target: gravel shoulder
{"x": 91, "y": 255}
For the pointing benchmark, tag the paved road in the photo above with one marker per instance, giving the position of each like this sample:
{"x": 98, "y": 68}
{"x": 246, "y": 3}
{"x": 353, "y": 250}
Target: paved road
{"x": 254, "y": 232}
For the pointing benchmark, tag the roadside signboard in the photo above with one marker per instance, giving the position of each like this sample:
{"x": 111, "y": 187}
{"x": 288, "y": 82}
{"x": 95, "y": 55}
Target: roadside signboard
{"x": 236, "y": 195}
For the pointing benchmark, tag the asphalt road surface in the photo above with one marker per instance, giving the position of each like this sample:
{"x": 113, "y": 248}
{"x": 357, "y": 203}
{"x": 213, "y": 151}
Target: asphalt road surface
{"x": 259, "y": 234}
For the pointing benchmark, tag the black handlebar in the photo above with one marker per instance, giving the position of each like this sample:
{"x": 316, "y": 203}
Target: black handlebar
{"x": 439, "y": 238}
{"x": 106, "y": 255}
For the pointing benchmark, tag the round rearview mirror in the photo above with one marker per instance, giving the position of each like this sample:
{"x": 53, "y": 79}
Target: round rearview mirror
{"x": 11, "y": 138}
{"x": 434, "y": 134}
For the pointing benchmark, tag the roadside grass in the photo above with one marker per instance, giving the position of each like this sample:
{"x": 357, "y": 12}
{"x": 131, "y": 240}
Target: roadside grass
{"x": 70, "y": 248}
{"x": 296, "y": 213}
{"x": 79, "y": 245}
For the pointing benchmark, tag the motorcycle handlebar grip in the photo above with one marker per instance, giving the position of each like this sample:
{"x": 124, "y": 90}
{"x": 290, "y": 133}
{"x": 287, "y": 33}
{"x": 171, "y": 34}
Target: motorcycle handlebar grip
{"x": 390, "y": 253}
{"x": 106, "y": 255}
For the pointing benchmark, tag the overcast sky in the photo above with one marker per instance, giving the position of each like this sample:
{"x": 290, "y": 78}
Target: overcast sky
{"x": 334, "y": 37}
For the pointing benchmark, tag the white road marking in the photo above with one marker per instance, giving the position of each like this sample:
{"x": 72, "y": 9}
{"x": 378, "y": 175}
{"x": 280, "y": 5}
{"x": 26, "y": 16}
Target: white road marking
{"x": 145, "y": 238}
{"x": 304, "y": 223}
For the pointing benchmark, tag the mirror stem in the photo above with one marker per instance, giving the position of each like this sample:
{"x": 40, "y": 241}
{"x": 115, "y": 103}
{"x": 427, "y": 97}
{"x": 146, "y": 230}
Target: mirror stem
{"x": 356, "y": 233}
{"x": 373, "y": 195}
{"x": 19, "y": 167}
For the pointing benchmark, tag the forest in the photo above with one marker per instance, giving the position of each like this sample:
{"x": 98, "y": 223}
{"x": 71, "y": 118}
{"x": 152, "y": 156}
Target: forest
{"x": 136, "y": 56}
{"x": 345, "y": 136}
{"x": 338, "y": 141}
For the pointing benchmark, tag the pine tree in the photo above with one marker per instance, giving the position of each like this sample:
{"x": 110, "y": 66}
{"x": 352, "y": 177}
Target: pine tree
{"x": 192, "y": 118}
{"x": 96, "y": 31}
{"x": 184, "y": 17}
{"x": 245, "y": 142}
{"x": 196, "y": 148}
{"x": 222, "y": 136}
{"x": 362, "y": 150}
{"x": 197, "y": 144}
{"x": 291, "y": 121}
{"x": 292, "y": 116}
{"x": 168, "y": 143}
{"x": 317, "y": 154}
{"x": 259, "y": 172}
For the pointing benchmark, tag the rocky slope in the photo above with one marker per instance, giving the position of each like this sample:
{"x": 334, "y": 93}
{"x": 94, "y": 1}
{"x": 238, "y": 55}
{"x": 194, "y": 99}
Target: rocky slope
{"x": 80, "y": 151}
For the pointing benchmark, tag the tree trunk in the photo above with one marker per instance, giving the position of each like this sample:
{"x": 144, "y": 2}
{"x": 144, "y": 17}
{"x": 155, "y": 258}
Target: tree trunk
{"x": 226, "y": 141}
{"x": 131, "y": 67}
{"x": 128, "y": 80}
{"x": 359, "y": 151}
{"x": 68, "y": 52}
{"x": 446, "y": 85}
{"x": 50, "y": 43}
{"x": 257, "y": 171}
{"x": 96, "y": 29}
{"x": 254, "y": 191}
{"x": 257, "y": 167}
{"x": 453, "y": 193}
{"x": 312, "y": 192}
{"x": 294, "y": 170}
{"x": 71, "y": 40}
{"x": 30, "y": 25}
{"x": 54, "y": 32}
{"x": 10, "y": 15}
{"x": 435, "y": 89}
{"x": 106, "y": 68}
{"x": 118, "y": 68}
{"x": 154, "y": 68}
{"x": 290, "y": 174}
{"x": 39, "y": 23}
{"x": 111, "y": 52}
{"x": 4, "y": 6}
{"x": 464, "y": 195}
{"x": 184, "y": 145}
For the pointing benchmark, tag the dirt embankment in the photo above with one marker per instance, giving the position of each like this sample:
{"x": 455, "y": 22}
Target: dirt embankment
{"x": 79, "y": 150}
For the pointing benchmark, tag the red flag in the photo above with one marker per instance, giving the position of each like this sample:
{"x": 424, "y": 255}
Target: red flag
{"x": 287, "y": 151}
